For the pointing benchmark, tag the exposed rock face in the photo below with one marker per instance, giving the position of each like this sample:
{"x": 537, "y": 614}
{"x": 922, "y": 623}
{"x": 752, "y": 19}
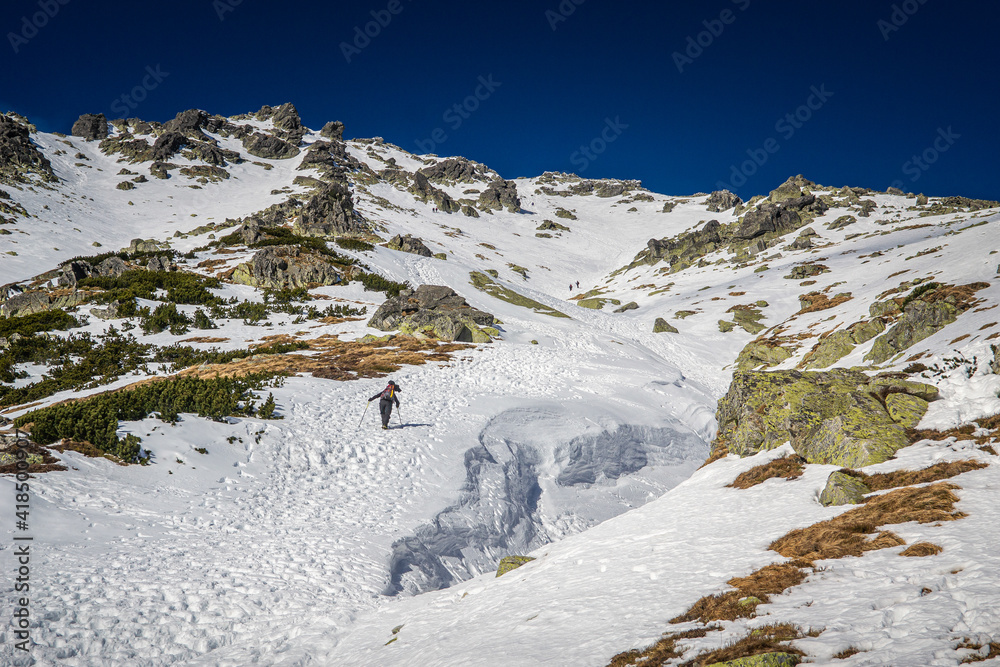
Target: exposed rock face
{"x": 36, "y": 301}
{"x": 329, "y": 213}
{"x": 167, "y": 145}
{"x": 433, "y": 310}
{"x": 409, "y": 244}
{"x": 333, "y": 130}
{"x": 286, "y": 267}
{"x": 722, "y": 200}
{"x": 835, "y": 417}
{"x": 423, "y": 190}
{"x": 767, "y": 218}
{"x": 923, "y": 317}
{"x": 685, "y": 249}
{"x": 72, "y": 272}
{"x": 188, "y": 123}
{"x": 269, "y": 147}
{"x": 843, "y": 489}
{"x": 757, "y": 353}
{"x": 455, "y": 170}
{"x": 19, "y": 156}
{"x": 286, "y": 117}
{"x": 90, "y": 127}
{"x": 500, "y": 194}
{"x": 905, "y": 409}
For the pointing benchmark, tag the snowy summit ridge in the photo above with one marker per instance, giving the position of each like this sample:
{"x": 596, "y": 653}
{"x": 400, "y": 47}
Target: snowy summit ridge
{"x": 700, "y": 430}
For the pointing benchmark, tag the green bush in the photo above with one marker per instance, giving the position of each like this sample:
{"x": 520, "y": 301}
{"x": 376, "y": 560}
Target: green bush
{"x": 95, "y": 419}
{"x": 47, "y": 320}
{"x": 166, "y": 316}
{"x": 354, "y": 244}
{"x": 202, "y": 321}
{"x": 181, "y": 287}
{"x": 376, "y": 283}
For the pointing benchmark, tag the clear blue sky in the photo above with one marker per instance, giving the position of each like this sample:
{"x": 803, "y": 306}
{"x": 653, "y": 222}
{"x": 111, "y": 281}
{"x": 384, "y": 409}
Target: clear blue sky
{"x": 920, "y": 84}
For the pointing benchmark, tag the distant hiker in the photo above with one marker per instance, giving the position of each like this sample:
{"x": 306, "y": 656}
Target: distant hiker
{"x": 386, "y": 398}
{"x": 571, "y": 287}
{"x": 578, "y": 284}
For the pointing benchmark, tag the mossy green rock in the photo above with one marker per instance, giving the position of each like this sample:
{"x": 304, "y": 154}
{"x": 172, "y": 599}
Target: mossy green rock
{"x": 830, "y": 350}
{"x": 757, "y": 353}
{"x": 862, "y": 332}
{"x": 920, "y": 320}
{"x": 906, "y": 410}
{"x": 484, "y": 283}
{"x": 830, "y": 417}
{"x": 726, "y": 327}
{"x": 662, "y": 326}
{"x": 596, "y": 303}
{"x": 749, "y": 319}
{"x": 762, "y": 660}
{"x": 434, "y": 311}
{"x": 511, "y": 563}
{"x": 886, "y": 385}
{"x": 843, "y": 489}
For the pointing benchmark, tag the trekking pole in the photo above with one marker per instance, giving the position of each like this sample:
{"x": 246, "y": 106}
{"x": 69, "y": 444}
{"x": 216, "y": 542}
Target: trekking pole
{"x": 364, "y": 413}
{"x": 399, "y": 413}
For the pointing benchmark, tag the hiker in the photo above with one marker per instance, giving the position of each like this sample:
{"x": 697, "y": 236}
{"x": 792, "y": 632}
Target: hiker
{"x": 571, "y": 287}
{"x": 386, "y": 396}
{"x": 578, "y": 284}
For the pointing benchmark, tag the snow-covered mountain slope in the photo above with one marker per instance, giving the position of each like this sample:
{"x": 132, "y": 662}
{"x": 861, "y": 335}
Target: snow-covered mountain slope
{"x": 573, "y": 436}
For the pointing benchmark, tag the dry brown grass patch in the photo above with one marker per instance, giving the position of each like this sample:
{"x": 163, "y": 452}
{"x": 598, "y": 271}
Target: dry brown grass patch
{"x": 766, "y": 639}
{"x": 847, "y": 534}
{"x": 818, "y": 301}
{"x": 663, "y": 650}
{"x": 751, "y": 590}
{"x": 884, "y": 481}
{"x": 719, "y": 452}
{"x": 921, "y": 549}
{"x": 969, "y": 644}
{"x": 788, "y": 467}
{"x": 48, "y": 464}
{"x": 205, "y": 339}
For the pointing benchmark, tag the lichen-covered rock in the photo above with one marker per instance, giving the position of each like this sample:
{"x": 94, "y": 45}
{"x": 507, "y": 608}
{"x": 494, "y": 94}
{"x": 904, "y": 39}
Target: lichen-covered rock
{"x": 906, "y": 410}
{"x": 470, "y": 211}
{"x": 761, "y": 352}
{"x": 330, "y": 212}
{"x": 160, "y": 169}
{"x": 433, "y": 310}
{"x": 269, "y": 147}
{"x": 286, "y": 267}
{"x": 885, "y": 385}
{"x": 631, "y": 305}
{"x": 722, "y": 200}
{"x": 776, "y": 659}
{"x": 500, "y": 194}
{"x": 511, "y": 563}
{"x": 139, "y": 245}
{"x": 830, "y": 417}
{"x": 188, "y": 123}
{"x": 767, "y": 218}
{"x": 841, "y": 222}
{"x": 660, "y": 325}
{"x": 843, "y": 489}
{"x": 683, "y": 250}
{"x": 90, "y": 127}
{"x": 922, "y": 317}
{"x": 25, "y": 303}
{"x": 410, "y": 244}
{"x": 748, "y": 318}
{"x": 864, "y": 331}
{"x": 829, "y": 350}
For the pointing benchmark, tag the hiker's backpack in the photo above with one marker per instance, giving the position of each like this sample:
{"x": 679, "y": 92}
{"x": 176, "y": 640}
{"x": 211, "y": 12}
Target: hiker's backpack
{"x": 387, "y": 393}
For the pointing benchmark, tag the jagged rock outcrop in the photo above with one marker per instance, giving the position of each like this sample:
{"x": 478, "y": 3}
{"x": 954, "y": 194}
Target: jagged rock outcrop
{"x": 424, "y": 191}
{"x": 436, "y": 311}
{"x": 286, "y": 267}
{"x": 333, "y": 130}
{"x": 72, "y": 272}
{"x": 683, "y": 250}
{"x": 330, "y": 212}
{"x": 90, "y": 127}
{"x": 18, "y": 155}
{"x": 189, "y": 123}
{"x": 410, "y": 244}
{"x": 722, "y": 200}
{"x": 500, "y": 194}
{"x": 269, "y": 147}
{"x": 455, "y": 170}
{"x": 835, "y": 417}
{"x": 167, "y": 145}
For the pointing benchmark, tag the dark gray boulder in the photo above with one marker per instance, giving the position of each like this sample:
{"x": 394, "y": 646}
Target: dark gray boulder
{"x": 167, "y": 145}
{"x": 436, "y": 311}
{"x": 767, "y": 218}
{"x": 90, "y": 127}
{"x": 188, "y": 123}
{"x": 286, "y": 267}
{"x": 410, "y": 244}
{"x": 424, "y": 191}
{"x": 18, "y": 155}
{"x": 455, "y": 170}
